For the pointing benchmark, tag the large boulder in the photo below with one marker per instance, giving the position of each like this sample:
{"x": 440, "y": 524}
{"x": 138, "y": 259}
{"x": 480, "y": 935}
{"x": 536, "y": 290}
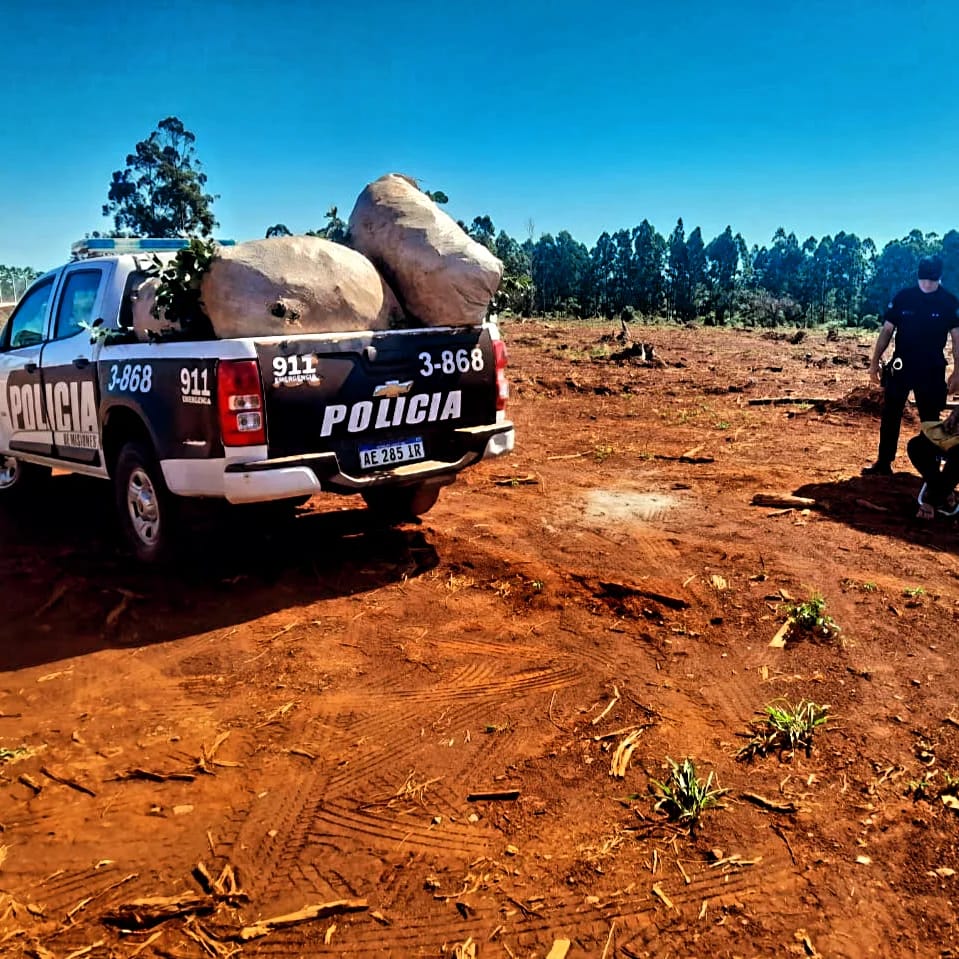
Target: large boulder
{"x": 441, "y": 275}
{"x": 148, "y": 322}
{"x": 295, "y": 284}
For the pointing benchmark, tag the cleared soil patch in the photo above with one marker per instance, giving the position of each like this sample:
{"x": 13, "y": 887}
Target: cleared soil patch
{"x": 414, "y": 733}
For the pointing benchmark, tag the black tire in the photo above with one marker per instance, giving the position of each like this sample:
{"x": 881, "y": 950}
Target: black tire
{"x": 396, "y": 504}
{"x": 19, "y": 480}
{"x": 144, "y": 504}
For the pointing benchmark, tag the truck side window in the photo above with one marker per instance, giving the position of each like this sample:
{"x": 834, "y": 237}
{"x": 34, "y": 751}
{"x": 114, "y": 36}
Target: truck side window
{"x": 134, "y": 281}
{"x": 76, "y": 302}
{"x": 25, "y": 327}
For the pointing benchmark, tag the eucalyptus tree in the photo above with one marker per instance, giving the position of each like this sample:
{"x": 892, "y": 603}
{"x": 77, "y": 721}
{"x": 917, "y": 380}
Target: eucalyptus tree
{"x": 161, "y": 191}
{"x": 649, "y": 254}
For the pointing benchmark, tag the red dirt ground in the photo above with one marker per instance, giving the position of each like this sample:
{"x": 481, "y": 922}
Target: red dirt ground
{"x": 310, "y": 703}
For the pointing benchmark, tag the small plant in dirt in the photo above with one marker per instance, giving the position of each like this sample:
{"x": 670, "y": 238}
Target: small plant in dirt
{"x": 684, "y": 797}
{"x": 924, "y": 786}
{"x": 913, "y": 592}
{"x": 8, "y": 755}
{"x": 603, "y": 452}
{"x": 784, "y": 728}
{"x": 722, "y": 424}
{"x": 950, "y": 783}
{"x": 810, "y": 618}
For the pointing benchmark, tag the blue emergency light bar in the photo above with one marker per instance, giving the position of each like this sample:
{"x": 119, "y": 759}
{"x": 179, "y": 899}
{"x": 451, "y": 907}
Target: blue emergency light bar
{"x": 105, "y": 245}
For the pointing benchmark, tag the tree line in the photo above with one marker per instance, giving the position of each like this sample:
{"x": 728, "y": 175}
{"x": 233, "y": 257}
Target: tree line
{"x": 840, "y": 279}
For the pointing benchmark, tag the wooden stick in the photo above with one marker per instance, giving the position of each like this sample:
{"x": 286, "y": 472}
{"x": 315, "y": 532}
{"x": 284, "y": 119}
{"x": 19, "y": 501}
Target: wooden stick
{"x": 505, "y": 794}
{"x": 789, "y": 400}
{"x": 784, "y": 500}
{"x": 306, "y": 914}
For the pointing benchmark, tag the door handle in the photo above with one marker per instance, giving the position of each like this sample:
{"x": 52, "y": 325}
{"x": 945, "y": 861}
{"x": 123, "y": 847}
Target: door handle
{"x": 81, "y": 362}
{"x": 30, "y": 367}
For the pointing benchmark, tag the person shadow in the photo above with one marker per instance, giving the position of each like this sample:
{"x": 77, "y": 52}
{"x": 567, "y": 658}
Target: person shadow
{"x": 884, "y": 506}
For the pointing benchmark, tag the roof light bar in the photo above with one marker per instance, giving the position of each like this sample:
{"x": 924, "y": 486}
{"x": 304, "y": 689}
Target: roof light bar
{"x": 107, "y": 245}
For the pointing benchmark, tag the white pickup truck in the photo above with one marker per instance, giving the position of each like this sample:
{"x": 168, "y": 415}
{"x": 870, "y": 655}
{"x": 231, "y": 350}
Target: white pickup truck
{"x": 391, "y": 415}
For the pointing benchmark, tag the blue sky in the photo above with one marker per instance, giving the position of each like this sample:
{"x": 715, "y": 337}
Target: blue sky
{"x": 814, "y": 116}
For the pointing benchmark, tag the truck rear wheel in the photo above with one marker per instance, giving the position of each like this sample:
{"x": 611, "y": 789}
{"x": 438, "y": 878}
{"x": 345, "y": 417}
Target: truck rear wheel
{"x": 394, "y": 504}
{"x": 144, "y": 503}
{"x": 18, "y": 479}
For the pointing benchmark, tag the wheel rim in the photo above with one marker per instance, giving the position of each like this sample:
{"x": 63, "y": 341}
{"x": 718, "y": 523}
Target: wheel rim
{"x": 8, "y": 471}
{"x": 143, "y": 507}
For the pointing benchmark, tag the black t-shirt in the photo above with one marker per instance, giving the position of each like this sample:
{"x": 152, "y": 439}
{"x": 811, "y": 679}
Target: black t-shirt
{"x": 922, "y": 321}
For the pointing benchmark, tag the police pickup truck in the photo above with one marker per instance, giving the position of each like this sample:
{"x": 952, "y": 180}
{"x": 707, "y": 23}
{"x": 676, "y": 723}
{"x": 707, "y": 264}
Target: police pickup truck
{"x": 391, "y": 415}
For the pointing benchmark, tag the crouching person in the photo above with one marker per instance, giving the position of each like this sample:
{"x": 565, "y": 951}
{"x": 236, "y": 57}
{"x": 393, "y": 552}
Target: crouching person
{"x": 935, "y": 454}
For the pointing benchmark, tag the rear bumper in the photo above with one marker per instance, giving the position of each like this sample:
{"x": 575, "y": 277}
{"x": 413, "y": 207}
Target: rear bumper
{"x": 262, "y": 480}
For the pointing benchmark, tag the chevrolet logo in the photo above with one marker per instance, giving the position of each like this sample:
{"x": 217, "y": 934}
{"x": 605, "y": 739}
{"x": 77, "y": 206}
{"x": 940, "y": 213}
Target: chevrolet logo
{"x": 392, "y": 388}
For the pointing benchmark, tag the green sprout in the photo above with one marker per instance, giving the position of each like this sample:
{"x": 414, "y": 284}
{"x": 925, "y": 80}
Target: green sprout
{"x": 922, "y": 788}
{"x": 603, "y": 452}
{"x": 684, "y": 797}
{"x": 785, "y": 728}
{"x": 810, "y": 617}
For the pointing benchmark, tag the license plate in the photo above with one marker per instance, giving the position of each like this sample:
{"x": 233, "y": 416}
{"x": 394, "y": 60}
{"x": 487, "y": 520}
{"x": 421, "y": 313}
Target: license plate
{"x": 389, "y": 454}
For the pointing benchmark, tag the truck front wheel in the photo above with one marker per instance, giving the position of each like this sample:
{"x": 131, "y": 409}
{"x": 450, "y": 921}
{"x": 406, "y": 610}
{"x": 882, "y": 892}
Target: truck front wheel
{"x": 144, "y": 503}
{"x": 394, "y": 504}
{"x": 18, "y": 480}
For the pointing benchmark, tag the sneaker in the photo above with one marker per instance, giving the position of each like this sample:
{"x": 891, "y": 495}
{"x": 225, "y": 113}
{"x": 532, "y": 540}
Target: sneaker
{"x": 878, "y": 469}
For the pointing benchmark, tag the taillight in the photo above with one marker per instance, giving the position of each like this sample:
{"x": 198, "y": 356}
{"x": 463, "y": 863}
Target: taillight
{"x": 502, "y": 385}
{"x": 240, "y": 403}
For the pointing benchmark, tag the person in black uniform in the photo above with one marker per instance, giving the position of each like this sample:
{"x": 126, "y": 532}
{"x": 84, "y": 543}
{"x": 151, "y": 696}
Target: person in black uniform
{"x": 920, "y": 317}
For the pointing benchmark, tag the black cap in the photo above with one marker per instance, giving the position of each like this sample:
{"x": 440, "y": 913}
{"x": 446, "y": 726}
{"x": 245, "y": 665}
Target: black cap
{"x": 930, "y": 268}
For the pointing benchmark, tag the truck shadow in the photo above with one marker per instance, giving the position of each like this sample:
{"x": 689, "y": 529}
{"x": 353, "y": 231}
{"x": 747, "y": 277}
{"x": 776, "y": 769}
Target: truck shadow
{"x": 884, "y": 506}
{"x": 68, "y": 588}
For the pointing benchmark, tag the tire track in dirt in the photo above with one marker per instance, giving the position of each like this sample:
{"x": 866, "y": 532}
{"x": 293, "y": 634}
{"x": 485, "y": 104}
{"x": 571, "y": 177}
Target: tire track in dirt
{"x": 275, "y": 835}
{"x": 481, "y": 691}
{"x": 346, "y": 824}
{"x": 360, "y": 773}
{"x": 640, "y": 918}
{"x": 74, "y": 895}
{"x": 479, "y": 681}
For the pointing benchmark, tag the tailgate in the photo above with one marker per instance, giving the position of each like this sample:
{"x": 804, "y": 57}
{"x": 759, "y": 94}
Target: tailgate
{"x": 377, "y": 399}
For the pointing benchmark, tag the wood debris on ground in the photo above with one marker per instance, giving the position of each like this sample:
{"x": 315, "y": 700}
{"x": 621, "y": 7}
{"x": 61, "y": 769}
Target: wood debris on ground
{"x": 153, "y": 776}
{"x": 771, "y": 804}
{"x": 779, "y": 640}
{"x": 503, "y": 795}
{"x": 66, "y": 781}
{"x": 623, "y": 753}
{"x": 609, "y": 706}
{"x": 143, "y": 913}
{"x": 207, "y": 758}
{"x": 83, "y": 903}
{"x": 658, "y": 892}
{"x": 782, "y": 500}
{"x": 528, "y": 479}
{"x": 307, "y": 914}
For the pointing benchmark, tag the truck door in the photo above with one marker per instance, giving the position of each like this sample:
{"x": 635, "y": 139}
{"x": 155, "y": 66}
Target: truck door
{"x": 24, "y": 424}
{"x": 68, "y": 368}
